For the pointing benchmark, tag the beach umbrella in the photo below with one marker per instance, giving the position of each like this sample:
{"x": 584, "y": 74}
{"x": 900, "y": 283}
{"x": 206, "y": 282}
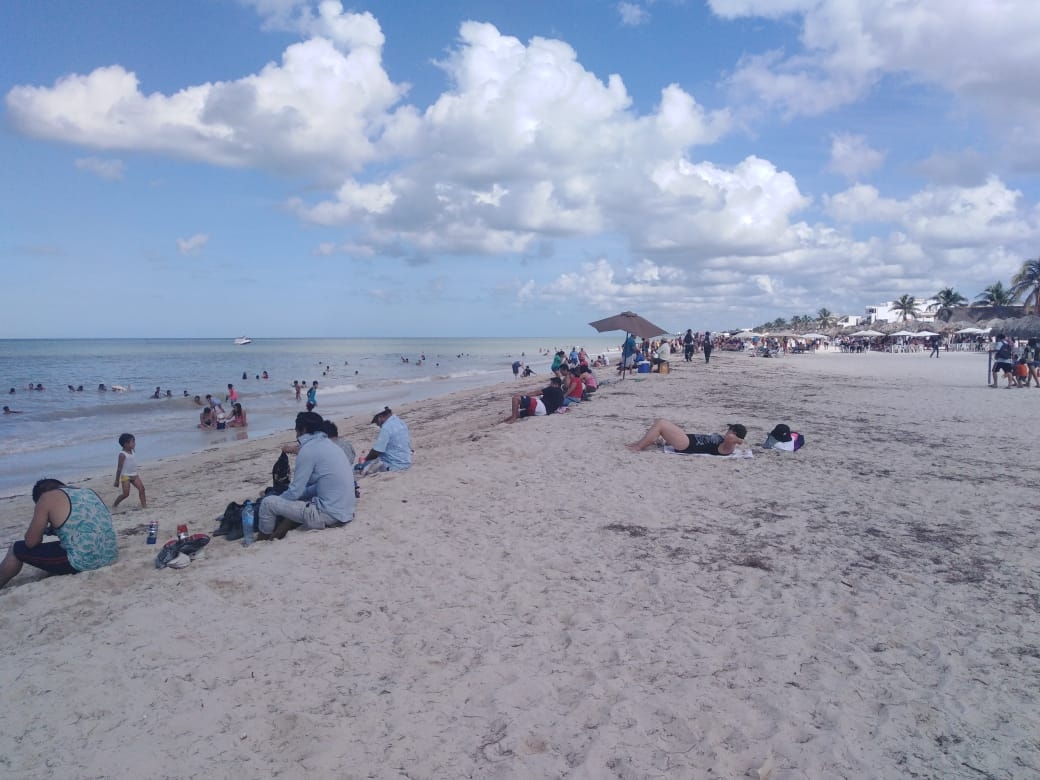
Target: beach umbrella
{"x": 630, "y": 322}
{"x": 867, "y": 334}
{"x": 745, "y": 335}
{"x": 902, "y": 333}
{"x": 925, "y": 334}
{"x": 815, "y": 336}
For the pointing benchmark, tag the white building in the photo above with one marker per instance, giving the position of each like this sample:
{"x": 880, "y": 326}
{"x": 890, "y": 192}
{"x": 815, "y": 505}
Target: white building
{"x": 886, "y": 312}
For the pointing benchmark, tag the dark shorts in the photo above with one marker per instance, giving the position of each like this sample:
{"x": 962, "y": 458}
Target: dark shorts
{"x": 1007, "y": 368}
{"x": 528, "y": 406}
{"x": 49, "y": 556}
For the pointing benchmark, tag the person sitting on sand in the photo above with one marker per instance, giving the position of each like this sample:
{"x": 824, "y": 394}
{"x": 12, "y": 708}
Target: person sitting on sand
{"x": 80, "y": 520}
{"x": 591, "y": 383}
{"x": 537, "y": 404}
{"x": 208, "y": 420}
{"x": 663, "y": 355}
{"x": 321, "y": 494}
{"x": 574, "y": 388}
{"x": 238, "y": 417}
{"x": 392, "y": 449}
{"x": 692, "y": 443}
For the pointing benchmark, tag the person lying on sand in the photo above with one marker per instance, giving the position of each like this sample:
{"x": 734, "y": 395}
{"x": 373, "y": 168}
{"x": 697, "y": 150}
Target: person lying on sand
{"x": 692, "y": 443}
{"x": 537, "y": 404}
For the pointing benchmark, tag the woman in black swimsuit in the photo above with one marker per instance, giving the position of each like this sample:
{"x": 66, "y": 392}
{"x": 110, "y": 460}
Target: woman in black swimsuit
{"x": 692, "y": 443}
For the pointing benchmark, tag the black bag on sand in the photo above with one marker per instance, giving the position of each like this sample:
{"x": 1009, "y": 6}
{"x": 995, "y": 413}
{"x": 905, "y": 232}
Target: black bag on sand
{"x": 231, "y": 523}
{"x": 281, "y": 475}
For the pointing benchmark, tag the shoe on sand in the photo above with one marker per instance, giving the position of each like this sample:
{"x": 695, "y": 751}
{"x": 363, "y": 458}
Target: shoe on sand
{"x": 284, "y": 526}
{"x": 179, "y": 562}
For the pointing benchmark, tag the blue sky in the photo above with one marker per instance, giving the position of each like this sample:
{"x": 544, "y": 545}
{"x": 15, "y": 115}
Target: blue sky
{"x": 288, "y": 168}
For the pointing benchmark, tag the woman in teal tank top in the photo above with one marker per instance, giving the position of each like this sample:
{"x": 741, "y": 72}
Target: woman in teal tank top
{"x": 80, "y": 520}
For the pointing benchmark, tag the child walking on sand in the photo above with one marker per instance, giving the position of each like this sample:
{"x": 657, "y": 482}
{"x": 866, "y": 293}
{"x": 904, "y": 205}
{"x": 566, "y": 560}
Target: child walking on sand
{"x": 126, "y": 470}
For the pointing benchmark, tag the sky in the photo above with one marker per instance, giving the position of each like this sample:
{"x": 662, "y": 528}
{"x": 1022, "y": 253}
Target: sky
{"x": 292, "y": 168}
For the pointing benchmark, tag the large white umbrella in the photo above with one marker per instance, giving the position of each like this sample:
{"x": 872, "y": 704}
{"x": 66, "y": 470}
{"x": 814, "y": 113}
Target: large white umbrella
{"x": 867, "y": 333}
{"x": 815, "y": 336}
{"x": 902, "y": 333}
{"x": 925, "y": 334}
{"x": 745, "y": 335}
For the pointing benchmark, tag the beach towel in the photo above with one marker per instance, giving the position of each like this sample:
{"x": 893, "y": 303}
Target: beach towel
{"x": 737, "y": 453}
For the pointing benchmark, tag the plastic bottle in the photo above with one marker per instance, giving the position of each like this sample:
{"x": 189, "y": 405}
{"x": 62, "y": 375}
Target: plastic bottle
{"x": 247, "y": 523}
{"x": 153, "y": 531}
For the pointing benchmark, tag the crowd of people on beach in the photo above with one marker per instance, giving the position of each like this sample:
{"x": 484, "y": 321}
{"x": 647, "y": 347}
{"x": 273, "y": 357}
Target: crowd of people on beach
{"x": 322, "y": 493}
{"x": 324, "y": 489}
{"x": 574, "y": 381}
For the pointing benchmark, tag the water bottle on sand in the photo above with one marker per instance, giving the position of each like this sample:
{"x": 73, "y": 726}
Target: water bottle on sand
{"x": 153, "y": 531}
{"x": 247, "y": 523}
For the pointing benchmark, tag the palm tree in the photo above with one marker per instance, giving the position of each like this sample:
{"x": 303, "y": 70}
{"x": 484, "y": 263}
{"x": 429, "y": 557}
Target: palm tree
{"x": 1026, "y": 284}
{"x": 825, "y": 318}
{"x": 907, "y": 307}
{"x": 945, "y": 301}
{"x": 995, "y": 295}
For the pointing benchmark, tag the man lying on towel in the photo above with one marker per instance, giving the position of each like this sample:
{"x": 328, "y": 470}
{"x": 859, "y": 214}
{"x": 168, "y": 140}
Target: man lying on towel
{"x": 692, "y": 443}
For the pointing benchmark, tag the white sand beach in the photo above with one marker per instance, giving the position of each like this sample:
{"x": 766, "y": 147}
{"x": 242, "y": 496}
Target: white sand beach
{"x": 535, "y": 601}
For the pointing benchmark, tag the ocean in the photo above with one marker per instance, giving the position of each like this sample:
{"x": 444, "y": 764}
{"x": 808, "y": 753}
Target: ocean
{"x": 67, "y": 433}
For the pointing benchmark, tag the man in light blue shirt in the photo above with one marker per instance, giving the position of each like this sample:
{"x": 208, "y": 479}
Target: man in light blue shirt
{"x": 321, "y": 494}
{"x": 393, "y": 445}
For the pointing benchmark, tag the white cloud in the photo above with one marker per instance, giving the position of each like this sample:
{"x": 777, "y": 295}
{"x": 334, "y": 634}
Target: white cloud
{"x": 527, "y": 143}
{"x": 852, "y": 157}
{"x": 984, "y": 53}
{"x": 990, "y": 214}
{"x": 193, "y": 245}
{"x": 320, "y": 110}
{"x": 632, "y": 14}
{"x": 526, "y": 148}
{"x": 106, "y": 169}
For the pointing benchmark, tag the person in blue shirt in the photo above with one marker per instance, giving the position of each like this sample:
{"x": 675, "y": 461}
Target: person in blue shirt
{"x": 392, "y": 450}
{"x": 321, "y": 494}
{"x": 628, "y": 353}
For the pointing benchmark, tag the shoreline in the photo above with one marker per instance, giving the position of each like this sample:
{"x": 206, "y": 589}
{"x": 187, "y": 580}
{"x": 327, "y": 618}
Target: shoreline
{"x": 74, "y": 433}
{"x": 534, "y": 600}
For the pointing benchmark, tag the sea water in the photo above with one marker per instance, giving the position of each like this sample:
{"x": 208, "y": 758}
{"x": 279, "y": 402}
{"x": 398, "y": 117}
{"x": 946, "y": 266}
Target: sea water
{"x": 66, "y": 433}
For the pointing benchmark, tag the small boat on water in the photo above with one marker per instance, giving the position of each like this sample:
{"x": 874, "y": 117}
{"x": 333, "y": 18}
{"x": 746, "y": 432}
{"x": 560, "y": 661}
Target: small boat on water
{"x": 243, "y": 340}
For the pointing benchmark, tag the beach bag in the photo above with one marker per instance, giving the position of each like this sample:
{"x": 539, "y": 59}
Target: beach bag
{"x": 281, "y": 476}
{"x": 783, "y": 438}
{"x": 231, "y": 522}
